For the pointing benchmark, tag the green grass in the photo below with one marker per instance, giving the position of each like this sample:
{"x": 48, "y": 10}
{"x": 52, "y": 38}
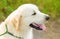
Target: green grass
{"x": 51, "y": 7}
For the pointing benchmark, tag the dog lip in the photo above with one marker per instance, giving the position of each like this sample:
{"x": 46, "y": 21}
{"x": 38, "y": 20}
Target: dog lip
{"x": 38, "y": 26}
{"x": 33, "y": 26}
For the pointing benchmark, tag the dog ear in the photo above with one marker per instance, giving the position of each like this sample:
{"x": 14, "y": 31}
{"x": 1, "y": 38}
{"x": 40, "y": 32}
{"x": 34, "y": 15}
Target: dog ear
{"x": 16, "y": 21}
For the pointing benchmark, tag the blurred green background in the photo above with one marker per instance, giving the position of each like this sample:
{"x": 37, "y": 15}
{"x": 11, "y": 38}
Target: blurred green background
{"x": 50, "y": 7}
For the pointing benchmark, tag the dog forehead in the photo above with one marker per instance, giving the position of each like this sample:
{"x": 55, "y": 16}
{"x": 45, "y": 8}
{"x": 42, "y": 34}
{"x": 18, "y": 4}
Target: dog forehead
{"x": 29, "y": 6}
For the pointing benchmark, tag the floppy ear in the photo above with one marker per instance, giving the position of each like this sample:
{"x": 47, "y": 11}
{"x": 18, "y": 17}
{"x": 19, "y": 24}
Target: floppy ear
{"x": 16, "y": 21}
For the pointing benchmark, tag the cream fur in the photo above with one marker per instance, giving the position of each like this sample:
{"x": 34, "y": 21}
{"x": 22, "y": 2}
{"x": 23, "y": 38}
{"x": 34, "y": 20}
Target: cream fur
{"x": 18, "y": 22}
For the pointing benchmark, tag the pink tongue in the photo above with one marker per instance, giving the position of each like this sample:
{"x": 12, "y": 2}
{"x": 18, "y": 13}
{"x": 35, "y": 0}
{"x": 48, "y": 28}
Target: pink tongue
{"x": 42, "y": 26}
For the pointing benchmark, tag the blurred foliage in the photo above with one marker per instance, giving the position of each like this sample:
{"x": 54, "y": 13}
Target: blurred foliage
{"x": 51, "y": 7}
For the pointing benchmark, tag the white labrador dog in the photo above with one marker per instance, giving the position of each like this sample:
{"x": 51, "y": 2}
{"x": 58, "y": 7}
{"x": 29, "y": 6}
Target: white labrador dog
{"x": 20, "y": 23}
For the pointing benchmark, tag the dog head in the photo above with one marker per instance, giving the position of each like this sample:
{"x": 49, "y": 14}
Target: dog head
{"x": 29, "y": 16}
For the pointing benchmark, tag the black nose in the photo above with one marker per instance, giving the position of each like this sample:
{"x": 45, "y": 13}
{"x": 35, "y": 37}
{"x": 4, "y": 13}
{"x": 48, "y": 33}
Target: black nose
{"x": 47, "y": 17}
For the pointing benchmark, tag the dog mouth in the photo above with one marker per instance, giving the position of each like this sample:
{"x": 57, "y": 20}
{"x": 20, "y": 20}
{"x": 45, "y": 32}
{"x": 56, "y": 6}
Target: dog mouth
{"x": 38, "y": 26}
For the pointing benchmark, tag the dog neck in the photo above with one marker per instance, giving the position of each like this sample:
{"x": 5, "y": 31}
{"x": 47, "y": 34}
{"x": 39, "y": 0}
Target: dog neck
{"x": 26, "y": 33}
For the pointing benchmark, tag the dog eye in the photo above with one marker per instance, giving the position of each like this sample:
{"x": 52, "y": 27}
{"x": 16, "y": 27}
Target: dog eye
{"x": 34, "y": 14}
